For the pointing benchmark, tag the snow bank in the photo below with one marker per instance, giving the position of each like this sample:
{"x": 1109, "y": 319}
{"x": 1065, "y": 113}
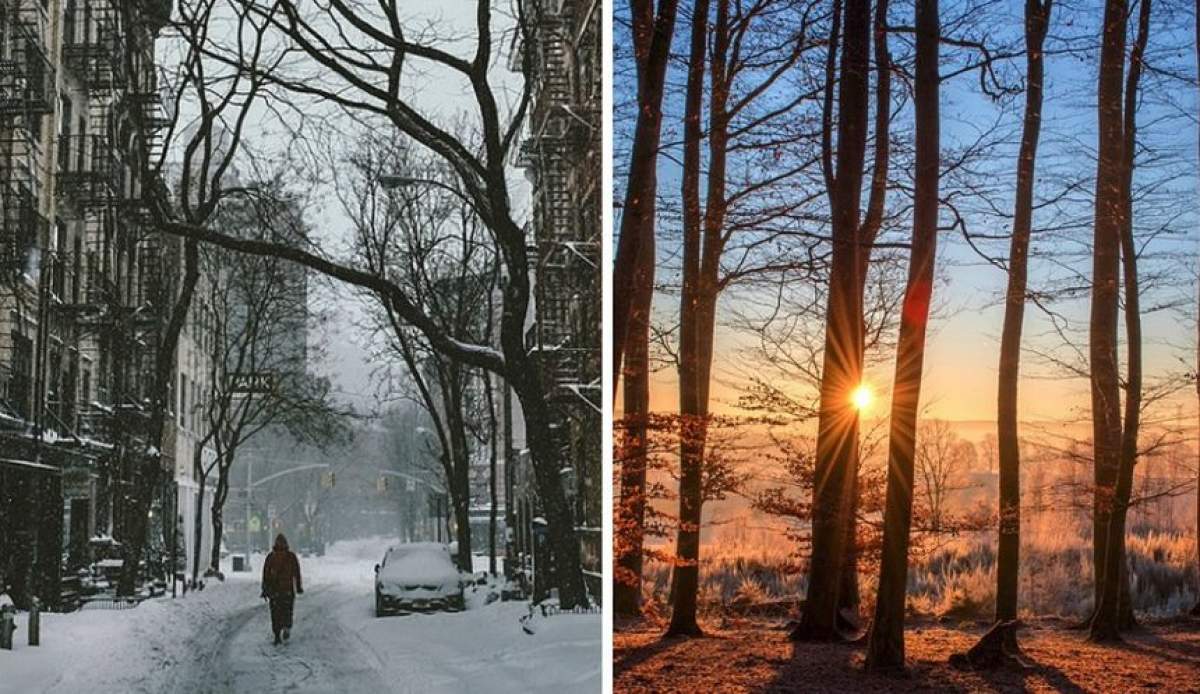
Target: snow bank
{"x": 482, "y": 650}
{"x": 144, "y": 649}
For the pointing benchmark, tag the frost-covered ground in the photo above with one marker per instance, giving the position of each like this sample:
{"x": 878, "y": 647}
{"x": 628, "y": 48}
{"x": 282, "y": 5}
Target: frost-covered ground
{"x": 219, "y": 640}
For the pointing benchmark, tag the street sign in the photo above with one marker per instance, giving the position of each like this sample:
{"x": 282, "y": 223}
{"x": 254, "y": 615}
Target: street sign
{"x": 253, "y": 382}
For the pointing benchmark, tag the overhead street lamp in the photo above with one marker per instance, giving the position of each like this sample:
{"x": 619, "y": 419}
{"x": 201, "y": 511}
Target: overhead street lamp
{"x": 251, "y": 483}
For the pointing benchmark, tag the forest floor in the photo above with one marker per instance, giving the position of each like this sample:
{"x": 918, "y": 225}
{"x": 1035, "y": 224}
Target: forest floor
{"x": 754, "y": 655}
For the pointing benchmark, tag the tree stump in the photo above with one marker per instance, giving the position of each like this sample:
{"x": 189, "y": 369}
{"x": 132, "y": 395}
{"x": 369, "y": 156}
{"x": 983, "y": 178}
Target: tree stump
{"x": 996, "y": 649}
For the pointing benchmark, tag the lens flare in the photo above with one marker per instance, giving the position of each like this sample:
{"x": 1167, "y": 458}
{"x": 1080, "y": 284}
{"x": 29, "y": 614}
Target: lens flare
{"x": 861, "y": 397}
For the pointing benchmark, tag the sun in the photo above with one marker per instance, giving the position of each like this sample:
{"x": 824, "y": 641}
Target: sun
{"x": 861, "y": 397}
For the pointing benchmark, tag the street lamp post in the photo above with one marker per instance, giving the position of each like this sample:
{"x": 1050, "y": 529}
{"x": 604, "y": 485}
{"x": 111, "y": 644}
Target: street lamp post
{"x": 249, "y": 490}
{"x": 251, "y": 484}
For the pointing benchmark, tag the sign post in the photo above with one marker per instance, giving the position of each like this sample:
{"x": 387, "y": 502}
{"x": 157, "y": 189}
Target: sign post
{"x": 249, "y": 487}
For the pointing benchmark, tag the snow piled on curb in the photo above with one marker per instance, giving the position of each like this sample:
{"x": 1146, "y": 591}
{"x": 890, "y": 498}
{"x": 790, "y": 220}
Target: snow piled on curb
{"x": 144, "y": 649}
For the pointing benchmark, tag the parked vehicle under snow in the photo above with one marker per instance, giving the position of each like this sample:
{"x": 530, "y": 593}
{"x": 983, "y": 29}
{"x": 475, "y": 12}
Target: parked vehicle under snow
{"x": 417, "y": 576}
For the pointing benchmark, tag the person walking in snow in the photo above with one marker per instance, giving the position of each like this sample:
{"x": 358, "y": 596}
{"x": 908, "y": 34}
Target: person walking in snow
{"x": 280, "y": 586}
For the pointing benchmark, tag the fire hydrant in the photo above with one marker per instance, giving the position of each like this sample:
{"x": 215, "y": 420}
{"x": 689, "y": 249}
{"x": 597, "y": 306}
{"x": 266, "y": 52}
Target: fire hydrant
{"x": 35, "y": 622}
{"x": 8, "y": 624}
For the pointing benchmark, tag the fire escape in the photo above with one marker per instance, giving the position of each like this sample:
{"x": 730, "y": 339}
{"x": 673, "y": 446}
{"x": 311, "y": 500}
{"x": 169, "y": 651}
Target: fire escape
{"x": 120, "y": 264}
{"x": 561, "y": 157}
{"x": 26, "y": 96}
{"x": 566, "y": 246}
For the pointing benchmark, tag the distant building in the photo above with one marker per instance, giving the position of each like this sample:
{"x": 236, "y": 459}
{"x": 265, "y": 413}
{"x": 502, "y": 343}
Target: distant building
{"x": 561, "y": 157}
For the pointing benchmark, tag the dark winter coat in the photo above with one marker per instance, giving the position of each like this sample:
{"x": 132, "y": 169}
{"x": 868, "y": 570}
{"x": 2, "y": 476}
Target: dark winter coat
{"x": 281, "y": 571}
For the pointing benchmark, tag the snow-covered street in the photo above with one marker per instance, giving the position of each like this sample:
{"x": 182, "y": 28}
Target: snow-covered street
{"x": 219, "y": 640}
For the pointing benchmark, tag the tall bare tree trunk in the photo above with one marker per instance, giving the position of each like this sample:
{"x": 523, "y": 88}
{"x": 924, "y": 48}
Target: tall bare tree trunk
{"x": 837, "y": 429}
{"x": 1106, "y": 404}
{"x": 701, "y": 256}
{"x": 885, "y": 645}
{"x": 627, "y": 588}
{"x": 1196, "y": 609}
{"x": 198, "y": 530}
{"x": 652, "y": 41}
{"x": 493, "y": 457}
{"x": 685, "y": 578}
{"x": 1037, "y": 19}
{"x": 1114, "y": 609}
{"x": 217, "y": 520}
{"x": 459, "y": 477}
{"x": 848, "y": 593}
{"x": 652, "y": 46}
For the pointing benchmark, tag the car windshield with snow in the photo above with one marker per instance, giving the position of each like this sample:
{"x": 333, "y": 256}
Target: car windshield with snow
{"x": 417, "y": 576}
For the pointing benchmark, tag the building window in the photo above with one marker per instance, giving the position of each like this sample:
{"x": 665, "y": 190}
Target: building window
{"x": 183, "y": 400}
{"x": 20, "y": 384}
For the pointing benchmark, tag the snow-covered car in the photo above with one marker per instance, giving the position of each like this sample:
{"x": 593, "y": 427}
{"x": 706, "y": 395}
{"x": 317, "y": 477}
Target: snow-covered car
{"x": 417, "y": 576}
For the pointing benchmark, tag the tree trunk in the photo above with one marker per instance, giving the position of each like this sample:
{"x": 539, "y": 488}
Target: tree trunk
{"x": 1196, "y": 609}
{"x": 685, "y": 574}
{"x": 627, "y": 588}
{"x": 837, "y": 429}
{"x": 560, "y": 522}
{"x": 1114, "y": 610}
{"x": 150, "y": 464}
{"x": 1106, "y": 404}
{"x": 459, "y": 485}
{"x": 218, "y": 526}
{"x": 198, "y": 530}
{"x": 493, "y": 455}
{"x": 652, "y": 43}
{"x": 224, "y": 464}
{"x": 849, "y": 598}
{"x": 1037, "y": 19}
{"x": 885, "y": 645}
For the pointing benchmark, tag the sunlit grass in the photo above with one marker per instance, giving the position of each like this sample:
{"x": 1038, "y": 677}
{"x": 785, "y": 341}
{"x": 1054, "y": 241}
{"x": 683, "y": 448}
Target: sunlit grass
{"x": 958, "y": 579}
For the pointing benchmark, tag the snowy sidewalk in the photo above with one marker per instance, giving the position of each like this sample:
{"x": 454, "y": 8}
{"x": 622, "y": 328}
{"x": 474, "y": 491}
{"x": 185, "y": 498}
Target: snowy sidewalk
{"x": 218, "y": 640}
{"x": 136, "y": 650}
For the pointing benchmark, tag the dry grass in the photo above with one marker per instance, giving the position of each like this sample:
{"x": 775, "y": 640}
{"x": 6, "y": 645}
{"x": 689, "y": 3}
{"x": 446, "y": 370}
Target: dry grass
{"x": 957, "y": 578}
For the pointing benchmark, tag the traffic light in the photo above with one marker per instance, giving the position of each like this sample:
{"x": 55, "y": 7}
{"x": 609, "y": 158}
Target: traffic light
{"x": 381, "y": 484}
{"x": 327, "y": 480}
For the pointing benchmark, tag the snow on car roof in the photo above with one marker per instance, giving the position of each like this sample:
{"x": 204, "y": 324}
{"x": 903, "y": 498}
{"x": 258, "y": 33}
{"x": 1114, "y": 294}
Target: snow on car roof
{"x": 407, "y": 547}
{"x": 424, "y": 562}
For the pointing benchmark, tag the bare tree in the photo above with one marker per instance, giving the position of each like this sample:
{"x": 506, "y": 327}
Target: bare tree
{"x": 1116, "y": 456}
{"x": 885, "y": 645}
{"x": 355, "y": 60}
{"x": 206, "y": 111}
{"x": 259, "y": 346}
{"x": 841, "y": 372}
{"x": 1008, "y": 447}
{"x": 1196, "y": 609}
{"x": 941, "y": 460}
{"x": 743, "y": 68}
{"x": 428, "y": 239}
{"x": 633, "y": 268}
